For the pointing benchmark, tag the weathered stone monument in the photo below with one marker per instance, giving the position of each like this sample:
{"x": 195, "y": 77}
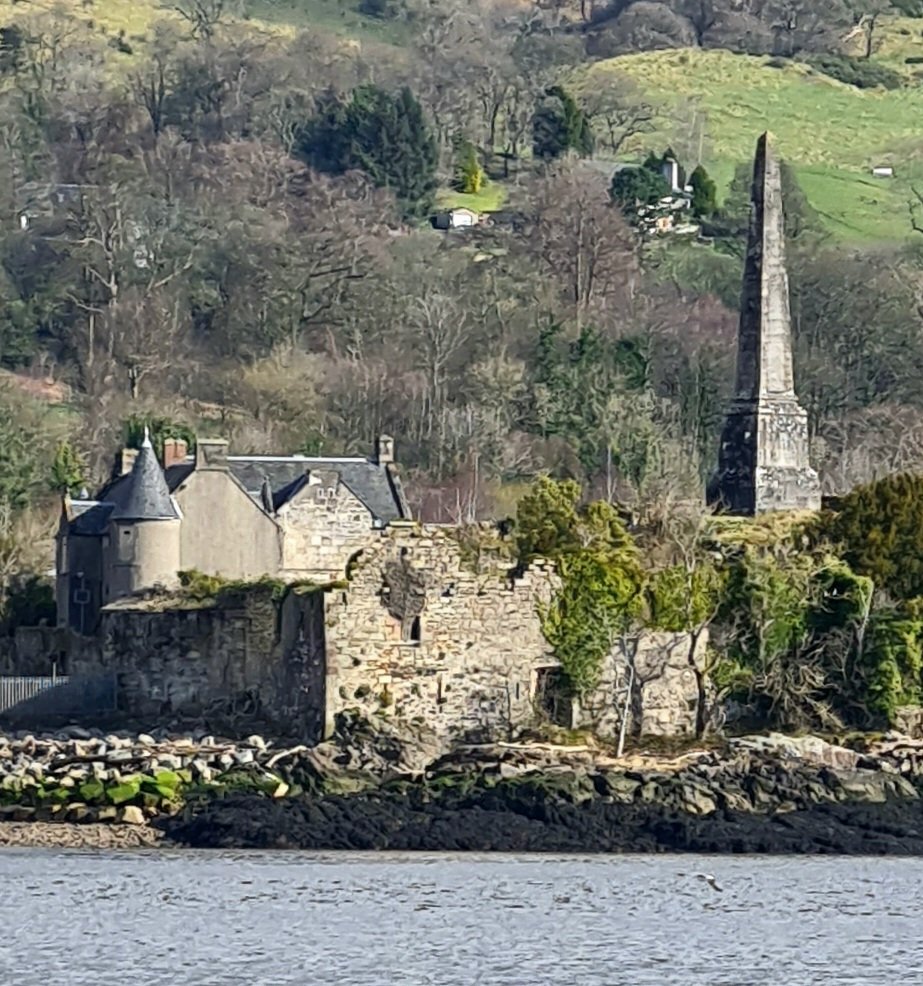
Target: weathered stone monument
{"x": 763, "y": 461}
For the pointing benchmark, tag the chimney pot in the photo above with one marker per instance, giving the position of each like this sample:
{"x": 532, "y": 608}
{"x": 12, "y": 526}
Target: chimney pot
{"x": 384, "y": 450}
{"x": 175, "y": 451}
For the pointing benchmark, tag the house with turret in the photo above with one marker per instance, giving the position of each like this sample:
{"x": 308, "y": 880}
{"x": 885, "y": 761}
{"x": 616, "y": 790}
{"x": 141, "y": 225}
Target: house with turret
{"x": 290, "y": 517}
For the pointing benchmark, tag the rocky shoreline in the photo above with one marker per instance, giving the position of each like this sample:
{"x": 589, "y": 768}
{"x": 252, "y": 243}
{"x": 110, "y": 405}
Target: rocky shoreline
{"x": 373, "y": 788}
{"x": 758, "y": 795}
{"x": 74, "y": 835}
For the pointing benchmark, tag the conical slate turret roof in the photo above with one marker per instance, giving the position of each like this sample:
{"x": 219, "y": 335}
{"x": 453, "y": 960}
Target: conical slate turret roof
{"x": 146, "y": 496}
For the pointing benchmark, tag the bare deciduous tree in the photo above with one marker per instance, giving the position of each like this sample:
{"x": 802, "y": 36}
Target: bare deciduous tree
{"x": 581, "y": 241}
{"x": 616, "y": 112}
{"x": 204, "y": 16}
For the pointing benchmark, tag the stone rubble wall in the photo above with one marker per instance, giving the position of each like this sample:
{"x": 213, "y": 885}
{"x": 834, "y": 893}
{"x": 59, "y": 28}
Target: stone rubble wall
{"x": 322, "y": 527}
{"x": 663, "y": 698}
{"x": 242, "y": 658}
{"x": 475, "y": 671}
{"x": 33, "y": 651}
{"x": 472, "y": 672}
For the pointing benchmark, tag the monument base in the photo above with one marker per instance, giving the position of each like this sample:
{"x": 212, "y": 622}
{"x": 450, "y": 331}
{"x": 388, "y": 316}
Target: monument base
{"x": 763, "y": 462}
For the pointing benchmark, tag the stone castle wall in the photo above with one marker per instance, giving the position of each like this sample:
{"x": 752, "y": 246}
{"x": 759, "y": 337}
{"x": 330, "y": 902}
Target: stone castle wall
{"x": 323, "y": 526}
{"x": 429, "y": 627}
{"x": 244, "y": 657}
{"x": 422, "y": 633}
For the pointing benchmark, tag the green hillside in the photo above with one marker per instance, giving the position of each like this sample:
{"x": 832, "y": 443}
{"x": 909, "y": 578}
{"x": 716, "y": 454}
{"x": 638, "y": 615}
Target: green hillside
{"x": 135, "y": 17}
{"x": 713, "y": 103}
{"x": 832, "y": 133}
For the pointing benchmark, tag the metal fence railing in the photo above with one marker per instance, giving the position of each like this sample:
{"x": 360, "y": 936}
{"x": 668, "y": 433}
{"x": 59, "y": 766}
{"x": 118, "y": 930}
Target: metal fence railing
{"x": 57, "y": 694}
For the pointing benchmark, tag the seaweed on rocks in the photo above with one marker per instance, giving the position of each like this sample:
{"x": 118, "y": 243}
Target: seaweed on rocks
{"x": 504, "y": 820}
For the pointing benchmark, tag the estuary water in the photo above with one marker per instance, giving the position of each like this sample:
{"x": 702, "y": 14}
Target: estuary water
{"x": 184, "y": 918}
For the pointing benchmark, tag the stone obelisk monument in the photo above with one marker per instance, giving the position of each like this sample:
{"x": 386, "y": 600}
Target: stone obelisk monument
{"x": 763, "y": 462}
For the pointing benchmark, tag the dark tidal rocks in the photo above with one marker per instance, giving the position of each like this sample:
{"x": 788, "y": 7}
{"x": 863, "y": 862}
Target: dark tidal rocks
{"x": 506, "y": 820}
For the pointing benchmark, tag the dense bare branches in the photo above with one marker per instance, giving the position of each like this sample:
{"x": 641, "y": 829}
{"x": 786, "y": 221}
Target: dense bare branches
{"x": 582, "y": 241}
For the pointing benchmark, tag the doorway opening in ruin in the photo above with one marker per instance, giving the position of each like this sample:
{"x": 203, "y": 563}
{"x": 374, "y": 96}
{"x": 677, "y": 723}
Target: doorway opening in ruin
{"x": 548, "y": 694}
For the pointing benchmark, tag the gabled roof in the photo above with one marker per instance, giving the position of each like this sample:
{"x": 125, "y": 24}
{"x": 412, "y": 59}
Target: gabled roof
{"x": 373, "y": 484}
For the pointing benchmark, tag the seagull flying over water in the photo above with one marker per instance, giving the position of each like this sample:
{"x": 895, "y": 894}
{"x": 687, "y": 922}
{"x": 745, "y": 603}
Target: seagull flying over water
{"x": 709, "y": 878}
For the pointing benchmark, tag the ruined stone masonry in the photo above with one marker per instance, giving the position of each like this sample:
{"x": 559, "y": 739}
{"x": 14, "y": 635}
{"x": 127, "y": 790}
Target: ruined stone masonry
{"x": 763, "y": 461}
{"x": 422, "y": 631}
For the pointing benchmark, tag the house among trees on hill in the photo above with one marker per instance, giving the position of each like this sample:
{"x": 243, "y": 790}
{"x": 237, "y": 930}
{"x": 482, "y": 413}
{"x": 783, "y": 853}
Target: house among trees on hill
{"x": 657, "y": 198}
{"x": 458, "y": 218}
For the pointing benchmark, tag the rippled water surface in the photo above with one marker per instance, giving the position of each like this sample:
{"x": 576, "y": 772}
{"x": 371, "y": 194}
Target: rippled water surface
{"x": 271, "y": 919}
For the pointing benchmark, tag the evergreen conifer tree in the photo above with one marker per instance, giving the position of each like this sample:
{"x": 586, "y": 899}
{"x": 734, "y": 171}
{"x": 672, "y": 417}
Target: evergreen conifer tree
{"x": 704, "y": 192}
{"x": 559, "y": 125}
{"x": 384, "y": 135}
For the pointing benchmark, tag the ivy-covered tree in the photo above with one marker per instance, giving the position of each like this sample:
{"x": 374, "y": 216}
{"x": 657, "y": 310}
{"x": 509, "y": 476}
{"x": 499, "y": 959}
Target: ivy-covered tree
{"x": 704, "y": 192}
{"x": 879, "y": 527}
{"x": 385, "y": 135}
{"x": 600, "y": 598}
{"x": 550, "y": 523}
{"x": 559, "y": 126}
{"x": 598, "y": 603}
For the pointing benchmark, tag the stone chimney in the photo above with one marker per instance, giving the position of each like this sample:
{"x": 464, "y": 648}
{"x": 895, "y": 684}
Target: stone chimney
{"x": 211, "y": 454}
{"x": 384, "y": 450}
{"x": 175, "y": 451}
{"x": 125, "y": 460}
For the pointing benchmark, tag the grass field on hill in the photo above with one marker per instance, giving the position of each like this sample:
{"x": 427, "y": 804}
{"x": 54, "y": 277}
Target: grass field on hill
{"x": 135, "y": 17}
{"x": 832, "y": 133}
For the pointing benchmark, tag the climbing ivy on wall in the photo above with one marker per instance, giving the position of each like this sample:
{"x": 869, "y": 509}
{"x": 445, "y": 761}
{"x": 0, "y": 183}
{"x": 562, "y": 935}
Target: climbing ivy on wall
{"x": 599, "y": 601}
{"x": 798, "y": 635}
{"x": 601, "y": 596}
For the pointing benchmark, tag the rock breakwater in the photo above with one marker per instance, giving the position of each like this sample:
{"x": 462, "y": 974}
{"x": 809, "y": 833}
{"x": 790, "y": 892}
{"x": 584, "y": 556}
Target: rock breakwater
{"x": 84, "y": 777}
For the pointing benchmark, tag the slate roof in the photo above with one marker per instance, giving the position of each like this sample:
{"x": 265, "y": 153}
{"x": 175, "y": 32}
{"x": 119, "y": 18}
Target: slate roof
{"x": 373, "y": 484}
{"x": 370, "y": 482}
{"x": 90, "y": 518}
{"x": 144, "y": 495}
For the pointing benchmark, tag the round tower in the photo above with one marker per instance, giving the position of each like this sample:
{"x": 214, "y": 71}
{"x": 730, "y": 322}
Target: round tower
{"x": 144, "y": 531}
